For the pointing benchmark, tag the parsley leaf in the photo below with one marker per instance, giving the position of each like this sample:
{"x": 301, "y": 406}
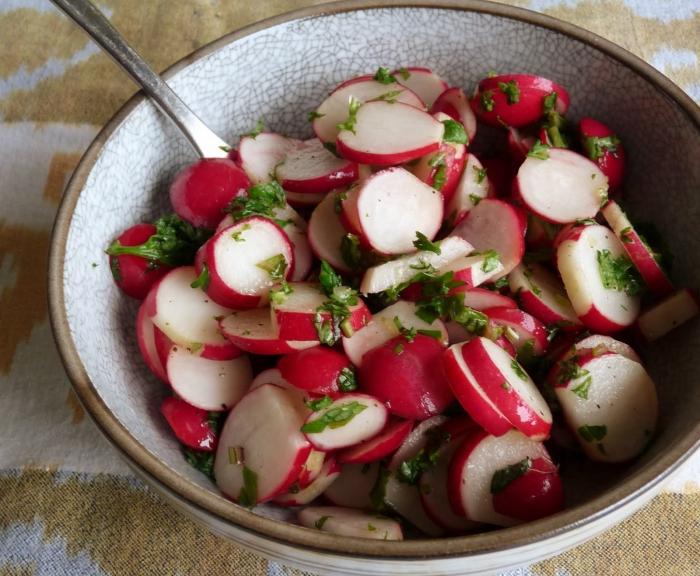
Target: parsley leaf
{"x": 275, "y": 266}
{"x": 313, "y": 115}
{"x": 427, "y": 457}
{"x": 480, "y": 174}
{"x": 334, "y": 417}
{"x": 351, "y": 120}
{"x": 581, "y": 389}
{"x": 439, "y": 177}
{"x": 261, "y": 200}
{"x": 486, "y": 100}
{"x": 518, "y": 369}
{"x": 341, "y": 297}
{"x": 511, "y": 90}
{"x": 279, "y": 295}
{"x": 454, "y": 132}
{"x": 350, "y": 251}
{"x": 320, "y": 522}
{"x": 389, "y": 97}
{"x": 618, "y": 273}
{"x": 404, "y": 73}
{"x": 539, "y": 150}
{"x": 549, "y": 103}
{"x": 255, "y": 132}
{"x": 202, "y": 461}
{"x": 422, "y": 243}
{"x": 383, "y": 76}
{"x": 319, "y": 403}
{"x": 248, "y": 496}
{"x": 346, "y": 380}
{"x": 329, "y": 278}
{"x": 593, "y": 433}
{"x": 202, "y": 281}
{"x": 533, "y": 287}
{"x": 491, "y": 261}
{"x": 503, "y": 477}
{"x": 597, "y": 146}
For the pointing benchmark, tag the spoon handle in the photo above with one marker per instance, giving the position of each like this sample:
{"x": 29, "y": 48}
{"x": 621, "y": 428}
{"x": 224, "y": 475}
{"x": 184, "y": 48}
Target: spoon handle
{"x": 89, "y": 18}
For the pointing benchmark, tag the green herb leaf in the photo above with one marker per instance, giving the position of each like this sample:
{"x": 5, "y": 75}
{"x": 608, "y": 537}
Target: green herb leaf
{"x": 518, "y": 369}
{"x": 491, "y": 261}
{"x": 351, "y": 120}
{"x": 115, "y": 269}
{"x": 202, "y": 281}
{"x": 383, "y": 76}
{"x": 549, "y": 103}
{"x": 533, "y": 287}
{"x": 597, "y": 146}
{"x": 329, "y": 278}
{"x": 569, "y": 369}
{"x": 581, "y": 389}
{"x": 389, "y": 97}
{"x": 502, "y": 282}
{"x": 618, "y": 273}
{"x": 475, "y": 199}
{"x": 313, "y": 115}
{"x": 503, "y": 477}
{"x": 377, "y": 495}
{"x": 404, "y": 73}
{"x": 331, "y": 147}
{"x": 202, "y": 461}
{"x": 486, "y": 100}
{"x": 319, "y": 403}
{"x": 259, "y": 128}
{"x": 261, "y": 200}
{"x": 626, "y": 235}
{"x": 423, "y": 243}
{"x": 334, "y": 417}
{"x": 320, "y": 522}
{"x": 409, "y": 471}
{"x": 350, "y": 251}
{"x": 454, "y": 132}
{"x": 371, "y": 527}
{"x": 593, "y": 433}
{"x": 539, "y": 150}
{"x": 511, "y": 90}
{"x": 275, "y": 266}
{"x": 279, "y": 295}
{"x": 215, "y": 421}
{"x": 248, "y": 496}
{"x": 480, "y": 176}
{"x": 347, "y": 382}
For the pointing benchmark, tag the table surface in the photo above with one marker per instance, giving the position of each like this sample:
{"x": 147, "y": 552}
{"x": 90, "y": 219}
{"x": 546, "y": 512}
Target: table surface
{"x": 68, "y": 504}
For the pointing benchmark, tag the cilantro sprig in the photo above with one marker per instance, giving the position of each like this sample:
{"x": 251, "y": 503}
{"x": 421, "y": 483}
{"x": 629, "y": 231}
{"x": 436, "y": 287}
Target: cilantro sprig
{"x": 410, "y": 333}
{"x": 539, "y": 150}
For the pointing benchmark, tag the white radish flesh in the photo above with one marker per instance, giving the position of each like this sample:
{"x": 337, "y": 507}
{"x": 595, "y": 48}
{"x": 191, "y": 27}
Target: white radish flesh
{"x": 145, "y": 336}
{"x": 326, "y": 233}
{"x": 350, "y": 522}
{"x": 667, "y": 315}
{"x": 415, "y": 441}
{"x": 455, "y": 103}
{"x": 472, "y": 270}
{"x": 473, "y": 187}
{"x": 299, "y": 398}
{"x": 300, "y": 497}
{"x": 423, "y": 81}
{"x": 404, "y": 499}
{"x": 483, "y": 299}
{"x": 354, "y": 485}
{"x": 258, "y": 155}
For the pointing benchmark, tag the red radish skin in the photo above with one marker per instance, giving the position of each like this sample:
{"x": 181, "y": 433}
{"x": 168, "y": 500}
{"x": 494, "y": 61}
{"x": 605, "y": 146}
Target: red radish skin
{"x": 252, "y": 331}
{"x": 495, "y": 225}
{"x": 612, "y": 160}
{"x": 190, "y": 425}
{"x": 668, "y": 314}
{"x": 423, "y": 81}
{"x": 326, "y": 234}
{"x": 259, "y": 155}
{"x": 540, "y": 233}
{"x": 387, "y": 134}
{"x": 519, "y": 145}
{"x": 524, "y": 330}
{"x": 294, "y": 317}
{"x": 563, "y": 187}
{"x": 214, "y": 385}
{"x": 233, "y": 257}
{"x": 303, "y": 496}
{"x": 264, "y": 425}
{"x": 470, "y": 395}
{"x": 201, "y": 192}
{"x": 353, "y": 487}
{"x": 640, "y": 254}
{"x": 311, "y": 169}
{"x": 379, "y": 447}
{"x": 350, "y": 522}
{"x": 455, "y": 104}
{"x": 134, "y": 275}
{"x": 407, "y": 376}
{"x": 316, "y": 370}
{"x": 334, "y": 109}
{"x": 601, "y": 309}
{"x": 473, "y": 186}
{"x": 226, "y": 351}
{"x": 361, "y": 426}
{"x": 509, "y": 387}
{"x": 146, "y": 339}
{"x": 536, "y": 494}
{"x": 492, "y": 105}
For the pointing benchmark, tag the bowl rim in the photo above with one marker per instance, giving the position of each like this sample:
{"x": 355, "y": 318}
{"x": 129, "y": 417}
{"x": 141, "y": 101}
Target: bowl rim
{"x": 189, "y": 493}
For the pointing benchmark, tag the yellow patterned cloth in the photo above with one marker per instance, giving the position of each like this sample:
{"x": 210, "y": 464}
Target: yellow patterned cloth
{"x": 68, "y": 505}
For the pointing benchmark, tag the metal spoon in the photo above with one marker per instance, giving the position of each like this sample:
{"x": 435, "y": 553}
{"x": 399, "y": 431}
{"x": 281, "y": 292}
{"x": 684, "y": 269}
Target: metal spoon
{"x": 82, "y": 12}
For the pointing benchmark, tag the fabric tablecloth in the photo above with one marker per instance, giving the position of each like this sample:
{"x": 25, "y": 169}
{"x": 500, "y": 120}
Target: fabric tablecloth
{"x": 68, "y": 504}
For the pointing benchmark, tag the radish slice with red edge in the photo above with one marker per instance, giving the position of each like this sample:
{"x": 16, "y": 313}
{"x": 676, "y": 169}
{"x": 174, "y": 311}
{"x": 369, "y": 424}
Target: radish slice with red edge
{"x": 472, "y": 188}
{"x": 423, "y": 81}
{"x": 605, "y": 149}
{"x": 146, "y": 339}
{"x": 382, "y": 445}
{"x": 416, "y": 440}
{"x": 519, "y": 145}
{"x": 598, "y": 344}
{"x": 298, "y": 397}
{"x": 213, "y": 385}
{"x": 353, "y": 487}
{"x": 302, "y": 496}
{"x": 312, "y": 468}
{"x": 473, "y": 270}
{"x": 668, "y": 314}
{"x": 326, "y": 233}
{"x": 191, "y": 426}
{"x": 455, "y": 104}
{"x": 482, "y": 299}
{"x": 252, "y": 331}
{"x": 610, "y": 403}
{"x": 561, "y": 186}
{"x": 404, "y": 499}
{"x": 645, "y": 260}
{"x": 346, "y": 421}
{"x": 527, "y": 334}
{"x": 387, "y": 134}
{"x": 319, "y": 371}
{"x": 350, "y": 522}
{"x": 495, "y": 225}
{"x": 304, "y": 200}
{"x": 259, "y": 155}
{"x": 334, "y": 109}
{"x": 310, "y": 168}
{"x": 605, "y": 301}
{"x": 261, "y": 448}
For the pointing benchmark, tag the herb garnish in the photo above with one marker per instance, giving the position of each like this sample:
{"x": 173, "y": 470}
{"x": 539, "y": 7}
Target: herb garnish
{"x": 491, "y": 261}
{"x": 503, "y": 477}
{"x": 427, "y": 457}
{"x": 313, "y": 115}
{"x": 320, "y": 522}
{"x": 440, "y": 173}
{"x": 597, "y": 146}
{"x": 486, "y": 100}
{"x": 511, "y": 90}
{"x": 319, "y": 403}
{"x": 261, "y": 200}
{"x": 389, "y": 97}
{"x": 340, "y": 298}
{"x": 275, "y": 266}
{"x": 533, "y": 287}
{"x": 618, "y": 273}
{"x": 480, "y": 174}
{"x": 454, "y": 132}
{"x": 351, "y": 120}
{"x": 539, "y": 150}
{"x": 423, "y": 243}
{"x": 350, "y": 251}
{"x": 255, "y": 132}
{"x": 334, "y": 417}
{"x": 404, "y": 73}
{"x": 518, "y": 369}
{"x": 279, "y": 295}
{"x": 593, "y": 433}
{"x": 202, "y": 461}
{"x": 248, "y": 496}
{"x": 383, "y": 76}
{"x": 202, "y": 281}
{"x": 346, "y": 380}
{"x": 410, "y": 333}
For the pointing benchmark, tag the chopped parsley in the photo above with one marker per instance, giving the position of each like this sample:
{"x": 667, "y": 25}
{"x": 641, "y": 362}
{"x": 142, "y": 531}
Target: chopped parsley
{"x": 202, "y": 281}
{"x": 491, "y": 261}
{"x": 410, "y": 333}
{"x": 313, "y": 115}
{"x": 570, "y": 370}
{"x": 581, "y": 389}
{"x": 279, "y": 295}
{"x": 338, "y": 200}
{"x": 502, "y": 478}
{"x": 480, "y": 174}
{"x": 248, "y": 496}
{"x": 511, "y": 90}
{"x": 533, "y": 287}
{"x": 371, "y": 527}
{"x": 261, "y": 200}
{"x": 383, "y": 76}
{"x": 427, "y": 457}
{"x": 320, "y": 522}
{"x": 275, "y": 266}
{"x": 593, "y": 433}
{"x": 502, "y": 282}
{"x": 238, "y": 234}
{"x": 389, "y": 97}
{"x": 215, "y": 420}
{"x": 329, "y": 278}
{"x": 202, "y": 461}
{"x": 618, "y": 273}
{"x": 539, "y": 150}
{"x": 626, "y": 235}
{"x": 440, "y": 177}
{"x": 486, "y": 100}
{"x": 340, "y": 298}
{"x": 549, "y": 103}
{"x": 334, "y": 417}
{"x": 404, "y": 73}
{"x": 255, "y": 132}
{"x": 454, "y": 132}
{"x": 597, "y": 146}
{"x": 350, "y": 251}
{"x": 347, "y": 382}
{"x": 351, "y": 120}
{"x": 319, "y": 403}
{"x": 518, "y": 369}
{"x": 475, "y": 199}
{"x": 423, "y": 243}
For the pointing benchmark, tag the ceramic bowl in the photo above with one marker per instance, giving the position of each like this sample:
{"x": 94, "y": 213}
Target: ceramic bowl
{"x": 280, "y": 69}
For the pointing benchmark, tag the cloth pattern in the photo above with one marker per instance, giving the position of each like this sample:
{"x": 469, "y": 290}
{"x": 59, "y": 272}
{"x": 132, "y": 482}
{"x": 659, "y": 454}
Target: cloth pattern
{"x": 68, "y": 504}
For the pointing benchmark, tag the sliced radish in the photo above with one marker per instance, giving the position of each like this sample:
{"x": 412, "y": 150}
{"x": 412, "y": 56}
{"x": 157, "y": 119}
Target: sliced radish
{"x": 349, "y": 420}
{"x": 605, "y": 149}
{"x": 326, "y": 233}
{"x": 527, "y": 334}
{"x": 668, "y": 314}
{"x": 384, "y": 276}
{"x": 508, "y": 387}
{"x": 387, "y": 134}
{"x": 252, "y": 331}
{"x": 599, "y": 344}
{"x": 603, "y": 309}
{"x": 540, "y": 233}
{"x": 261, "y": 449}
{"x": 350, "y": 522}
{"x": 299, "y": 398}
{"x": 610, "y": 402}
{"x": 407, "y": 376}
{"x": 191, "y": 426}
{"x": 495, "y": 225}
{"x": 423, "y": 81}
{"x": 562, "y": 187}
{"x": 312, "y": 468}
{"x": 187, "y": 315}
{"x": 470, "y": 395}
{"x": 295, "y": 316}
{"x": 392, "y": 206}
{"x": 304, "y": 200}
{"x": 310, "y": 168}
{"x": 301, "y": 496}
{"x": 214, "y": 385}
{"x": 477, "y": 460}
{"x": 482, "y": 299}
{"x": 416, "y": 440}
{"x": 382, "y": 445}
{"x": 334, "y": 109}
{"x": 245, "y": 260}
{"x": 455, "y": 104}
{"x": 473, "y": 270}
{"x": 519, "y": 145}
{"x": 354, "y": 485}
{"x": 472, "y": 188}
{"x": 285, "y": 214}
{"x": 404, "y": 499}
{"x": 541, "y": 294}
{"x": 259, "y": 155}
{"x": 318, "y": 371}
{"x": 145, "y": 337}
{"x": 382, "y": 328}
{"x": 638, "y": 250}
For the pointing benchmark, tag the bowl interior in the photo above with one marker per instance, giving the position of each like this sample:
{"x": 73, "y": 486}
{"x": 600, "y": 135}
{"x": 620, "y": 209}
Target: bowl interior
{"x": 233, "y": 86}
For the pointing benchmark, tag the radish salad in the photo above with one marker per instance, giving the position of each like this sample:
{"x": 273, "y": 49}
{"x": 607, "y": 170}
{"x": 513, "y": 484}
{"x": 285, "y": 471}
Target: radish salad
{"x": 401, "y": 322}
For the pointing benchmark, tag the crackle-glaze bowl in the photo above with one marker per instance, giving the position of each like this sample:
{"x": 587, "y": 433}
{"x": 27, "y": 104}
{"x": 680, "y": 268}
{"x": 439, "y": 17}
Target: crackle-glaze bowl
{"x": 282, "y": 68}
